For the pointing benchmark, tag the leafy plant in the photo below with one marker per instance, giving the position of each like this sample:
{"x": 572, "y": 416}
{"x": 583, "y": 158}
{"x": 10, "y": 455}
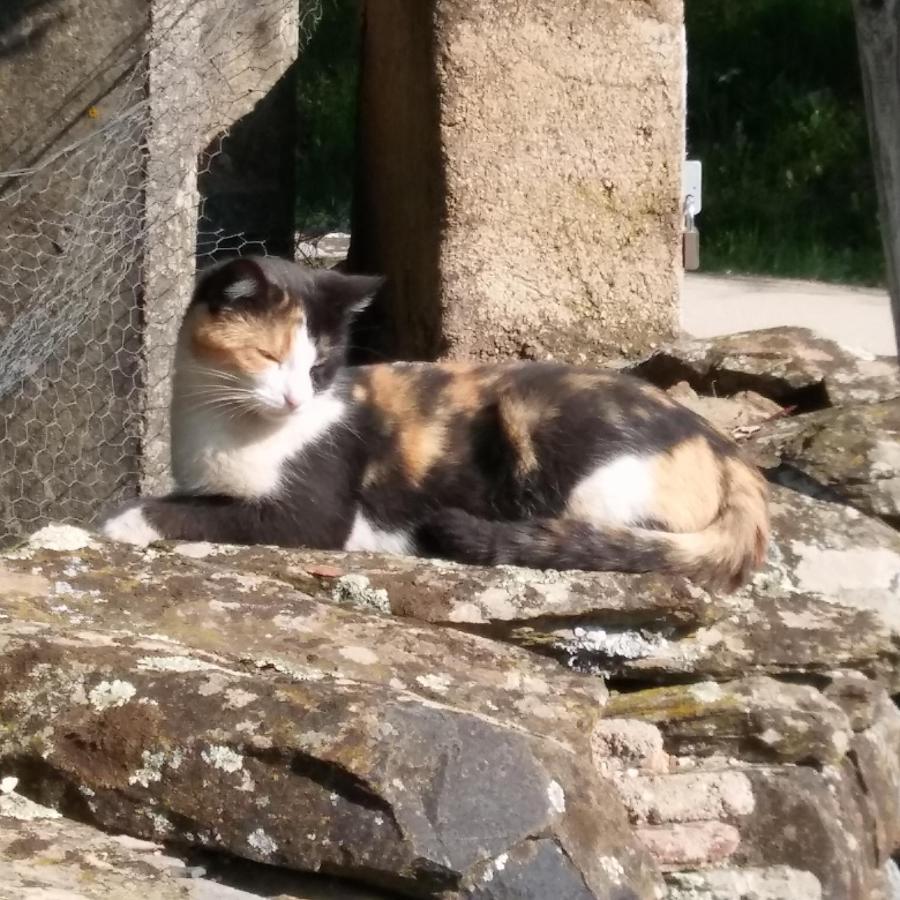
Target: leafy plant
{"x": 327, "y": 77}
{"x": 775, "y": 111}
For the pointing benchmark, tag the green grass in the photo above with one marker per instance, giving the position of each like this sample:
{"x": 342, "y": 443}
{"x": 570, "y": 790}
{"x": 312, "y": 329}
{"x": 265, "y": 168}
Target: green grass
{"x": 754, "y": 252}
{"x": 326, "y": 100}
{"x": 775, "y": 112}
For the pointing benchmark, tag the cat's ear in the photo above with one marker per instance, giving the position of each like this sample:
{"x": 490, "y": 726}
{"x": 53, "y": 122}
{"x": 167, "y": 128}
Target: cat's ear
{"x": 349, "y": 293}
{"x": 237, "y": 282}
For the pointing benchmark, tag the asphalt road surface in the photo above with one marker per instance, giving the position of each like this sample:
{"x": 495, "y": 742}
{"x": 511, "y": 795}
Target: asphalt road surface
{"x": 857, "y": 317}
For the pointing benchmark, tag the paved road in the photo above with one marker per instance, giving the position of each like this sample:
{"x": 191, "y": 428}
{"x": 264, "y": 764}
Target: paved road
{"x": 857, "y": 317}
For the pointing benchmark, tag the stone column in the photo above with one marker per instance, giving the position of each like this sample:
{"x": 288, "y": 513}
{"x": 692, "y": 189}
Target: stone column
{"x": 218, "y": 78}
{"x": 520, "y": 175}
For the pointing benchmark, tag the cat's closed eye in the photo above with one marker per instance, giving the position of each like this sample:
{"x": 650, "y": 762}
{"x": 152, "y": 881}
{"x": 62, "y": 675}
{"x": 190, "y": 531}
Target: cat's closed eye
{"x": 265, "y": 354}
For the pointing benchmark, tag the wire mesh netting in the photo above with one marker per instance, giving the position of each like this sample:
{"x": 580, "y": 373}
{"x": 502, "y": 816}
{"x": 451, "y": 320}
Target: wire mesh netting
{"x": 148, "y": 139}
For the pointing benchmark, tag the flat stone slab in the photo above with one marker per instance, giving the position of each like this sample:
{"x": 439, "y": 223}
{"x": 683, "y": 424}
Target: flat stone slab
{"x": 757, "y": 719}
{"x": 230, "y": 610}
{"x": 827, "y": 598}
{"x": 154, "y": 694}
{"x": 786, "y": 364}
{"x": 769, "y": 883}
{"x": 45, "y": 856}
{"x": 445, "y": 593}
{"x": 846, "y": 455}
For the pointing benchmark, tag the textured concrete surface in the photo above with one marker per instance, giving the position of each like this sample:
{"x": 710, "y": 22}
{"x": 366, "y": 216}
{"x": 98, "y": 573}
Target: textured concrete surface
{"x": 521, "y": 174}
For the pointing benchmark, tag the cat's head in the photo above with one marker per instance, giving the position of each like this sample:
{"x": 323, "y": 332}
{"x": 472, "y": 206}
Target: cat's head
{"x": 271, "y": 333}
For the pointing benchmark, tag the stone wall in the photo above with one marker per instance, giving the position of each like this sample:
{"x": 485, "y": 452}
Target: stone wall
{"x": 432, "y": 730}
{"x": 106, "y": 109}
{"x": 520, "y": 179}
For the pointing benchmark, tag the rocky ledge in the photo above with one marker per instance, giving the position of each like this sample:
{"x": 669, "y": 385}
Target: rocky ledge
{"x": 209, "y": 721}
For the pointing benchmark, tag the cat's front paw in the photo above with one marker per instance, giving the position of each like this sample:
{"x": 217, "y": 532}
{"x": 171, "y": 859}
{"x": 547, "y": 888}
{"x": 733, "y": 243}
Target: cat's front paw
{"x": 130, "y": 526}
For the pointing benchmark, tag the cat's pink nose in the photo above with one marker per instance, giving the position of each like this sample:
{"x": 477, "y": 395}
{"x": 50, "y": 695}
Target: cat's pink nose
{"x": 291, "y": 401}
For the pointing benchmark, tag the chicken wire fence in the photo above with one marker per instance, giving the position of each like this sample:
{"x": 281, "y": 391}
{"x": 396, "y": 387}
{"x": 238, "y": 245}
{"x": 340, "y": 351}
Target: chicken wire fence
{"x": 102, "y": 230}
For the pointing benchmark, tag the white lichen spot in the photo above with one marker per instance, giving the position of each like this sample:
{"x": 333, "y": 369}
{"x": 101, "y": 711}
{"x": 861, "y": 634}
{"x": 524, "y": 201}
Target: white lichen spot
{"x": 467, "y": 612}
{"x": 161, "y": 824}
{"x": 215, "y": 683}
{"x": 151, "y": 771}
{"x": 616, "y": 643}
{"x": 862, "y": 577}
{"x": 840, "y": 740}
{"x": 357, "y": 590}
{"x": 222, "y": 757}
{"x": 706, "y": 691}
{"x": 194, "y": 549}
{"x": 384, "y": 731}
{"x": 287, "y": 622}
{"x": 60, "y": 537}
{"x": 174, "y": 664}
{"x": 223, "y": 605}
{"x": 615, "y": 871}
{"x": 362, "y": 655}
{"x": 397, "y": 685}
{"x": 236, "y": 698}
{"x": 261, "y": 842}
{"x": 15, "y": 806}
{"x": 64, "y": 589}
{"x": 495, "y": 601}
{"x": 110, "y": 694}
{"x": 286, "y": 668}
{"x": 494, "y": 866}
{"x": 557, "y": 797}
{"x": 8, "y": 784}
{"x": 248, "y": 785}
{"x": 440, "y": 684}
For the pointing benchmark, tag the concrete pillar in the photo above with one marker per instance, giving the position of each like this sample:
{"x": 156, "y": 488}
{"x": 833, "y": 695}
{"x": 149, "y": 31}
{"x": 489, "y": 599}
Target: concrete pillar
{"x": 218, "y": 79}
{"x": 520, "y": 175}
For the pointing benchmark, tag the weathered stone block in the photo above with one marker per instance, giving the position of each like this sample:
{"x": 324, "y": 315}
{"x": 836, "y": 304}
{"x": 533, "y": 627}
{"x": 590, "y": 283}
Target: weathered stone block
{"x": 212, "y": 708}
{"x": 44, "y": 855}
{"x": 846, "y": 455}
{"x": 520, "y": 182}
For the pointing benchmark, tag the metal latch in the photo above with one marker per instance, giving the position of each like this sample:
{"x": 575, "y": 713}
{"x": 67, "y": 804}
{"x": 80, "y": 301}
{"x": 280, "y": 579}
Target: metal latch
{"x": 692, "y": 203}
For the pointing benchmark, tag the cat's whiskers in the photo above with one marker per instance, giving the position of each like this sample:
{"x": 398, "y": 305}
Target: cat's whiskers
{"x": 226, "y": 405}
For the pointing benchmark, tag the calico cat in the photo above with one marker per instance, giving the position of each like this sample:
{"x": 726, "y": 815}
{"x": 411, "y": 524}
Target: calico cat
{"x": 275, "y": 440}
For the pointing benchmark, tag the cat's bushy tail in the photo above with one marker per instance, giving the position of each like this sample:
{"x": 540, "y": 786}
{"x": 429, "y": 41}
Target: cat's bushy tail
{"x": 722, "y": 555}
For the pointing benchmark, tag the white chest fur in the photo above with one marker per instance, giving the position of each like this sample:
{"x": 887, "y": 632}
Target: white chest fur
{"x": 245, "y": 456}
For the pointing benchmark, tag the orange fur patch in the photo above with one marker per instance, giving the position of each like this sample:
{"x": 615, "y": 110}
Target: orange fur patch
{"x": 421, "y": 438}
{"x": 465, "y": 392}
{"x": 519, "y": 418}
{"x": 244, "y": 342}
{"x": 657, "y": 396}
{"x": 585, "y": 381}
{"x": 687, "y": 486}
